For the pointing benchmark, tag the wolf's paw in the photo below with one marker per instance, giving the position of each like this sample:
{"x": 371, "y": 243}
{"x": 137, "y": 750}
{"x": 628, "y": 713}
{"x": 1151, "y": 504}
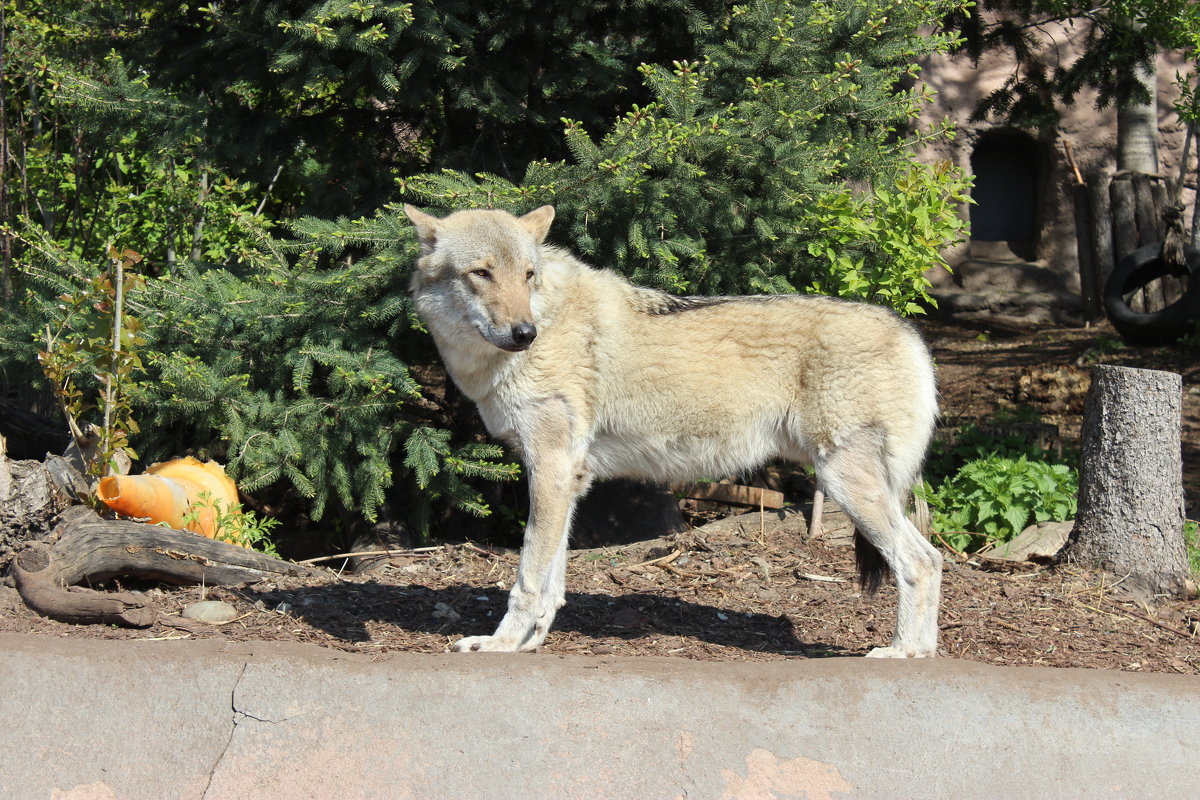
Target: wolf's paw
{"x": 484, "y": 644}
{"x": 900, "y": 652}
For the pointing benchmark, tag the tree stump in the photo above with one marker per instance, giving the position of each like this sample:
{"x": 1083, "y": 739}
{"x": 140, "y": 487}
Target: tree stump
{"x": 1130, "y": 519}
{"x": 32, "y": 495}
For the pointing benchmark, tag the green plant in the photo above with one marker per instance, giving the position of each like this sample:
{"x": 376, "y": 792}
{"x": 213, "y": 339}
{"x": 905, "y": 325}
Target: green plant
{"x": 902, "y": 224}
{"x": 1104, "y": 345}
{"x": 1191, "y": 538}
{"x": 781, "y": 159}
{"x": 994, "y": 498}
{"x": 975, "y": 441}
{"x": 1023, "y": 414}
{"x": 93, "y": 339}
{"x": 235, "y": 525}
{"x": 1191, "y": 341}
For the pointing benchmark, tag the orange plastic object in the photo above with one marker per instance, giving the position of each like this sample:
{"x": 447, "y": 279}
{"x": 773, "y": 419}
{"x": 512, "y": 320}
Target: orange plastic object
{"x": 168, "y": 490}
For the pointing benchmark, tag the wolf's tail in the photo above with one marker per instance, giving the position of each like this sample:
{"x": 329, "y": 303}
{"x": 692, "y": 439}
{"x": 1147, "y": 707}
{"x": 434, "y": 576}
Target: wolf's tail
{"x": 872, "y": 567}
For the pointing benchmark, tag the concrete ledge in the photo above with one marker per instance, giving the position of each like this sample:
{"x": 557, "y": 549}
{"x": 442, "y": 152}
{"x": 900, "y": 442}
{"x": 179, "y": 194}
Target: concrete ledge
{"x": 207, "y": 719}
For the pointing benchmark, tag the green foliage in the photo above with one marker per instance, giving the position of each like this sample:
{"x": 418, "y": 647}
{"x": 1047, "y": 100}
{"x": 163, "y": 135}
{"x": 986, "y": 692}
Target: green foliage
{"x": 1191, "y": 538}
{"x": 778, "y": 161}
{"x": 92, "y": 339}
{"x": 991, "y": 481}
{"x": 975, "y": 441}
{"x": 997, "y": 497}
{"x": 1119, "y": 39}
{"x": 235, "y": 525}
{"x": 338, "y": 98}
{"x": 86, "y": 181}
{"x": 902, "y": 227}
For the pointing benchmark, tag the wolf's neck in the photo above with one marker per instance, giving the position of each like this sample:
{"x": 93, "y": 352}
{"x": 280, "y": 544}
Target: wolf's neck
{"x": 476, "y": 367}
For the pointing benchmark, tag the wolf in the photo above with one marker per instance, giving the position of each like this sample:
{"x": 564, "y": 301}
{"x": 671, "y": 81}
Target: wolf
{"x": 588, "y": 377}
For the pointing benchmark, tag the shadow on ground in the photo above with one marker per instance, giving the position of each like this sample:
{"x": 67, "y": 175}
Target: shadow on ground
{"x": 345, "y": 611}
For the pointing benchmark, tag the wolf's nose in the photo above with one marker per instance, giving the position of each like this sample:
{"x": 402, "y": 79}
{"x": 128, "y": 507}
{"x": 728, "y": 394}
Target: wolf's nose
{"x": 523, "y": 334}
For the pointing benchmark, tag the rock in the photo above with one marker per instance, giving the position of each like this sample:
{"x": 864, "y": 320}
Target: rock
{"x": 1060, "y": 308}
{"x": 390, "y": 535}
{"x": 211, "y": 611}
{"x": 1042, "y": 539}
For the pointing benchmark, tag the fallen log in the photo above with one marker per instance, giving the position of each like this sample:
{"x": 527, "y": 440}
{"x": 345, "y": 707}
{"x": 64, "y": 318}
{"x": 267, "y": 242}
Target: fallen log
{"x": 89, "y": 549}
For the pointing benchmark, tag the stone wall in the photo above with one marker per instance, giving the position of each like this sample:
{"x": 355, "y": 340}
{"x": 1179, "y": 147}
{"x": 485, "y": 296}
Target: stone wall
{"x": 1091, "y": 133}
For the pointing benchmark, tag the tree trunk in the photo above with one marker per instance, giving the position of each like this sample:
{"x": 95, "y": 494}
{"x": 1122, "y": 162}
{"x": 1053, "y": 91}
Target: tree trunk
{"x": 32, "y": 495}
{"x": 1100, "y": 209}
{"x": 1130, "y": 519}
{"x": 1137, "y": 128}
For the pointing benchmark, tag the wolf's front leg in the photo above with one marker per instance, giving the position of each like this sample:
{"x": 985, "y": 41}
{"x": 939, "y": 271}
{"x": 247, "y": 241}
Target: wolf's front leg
{"x": 556, "y": 479}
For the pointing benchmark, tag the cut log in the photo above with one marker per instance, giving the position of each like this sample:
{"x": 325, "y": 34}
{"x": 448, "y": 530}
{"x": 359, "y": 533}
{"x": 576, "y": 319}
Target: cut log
{"x": 1130, "y": 519}
{"x": 734, "y": 494}
{"x": 1089, "y": 282}
{"x": 91, "y": 549}
{"x": 1100, "y": 214}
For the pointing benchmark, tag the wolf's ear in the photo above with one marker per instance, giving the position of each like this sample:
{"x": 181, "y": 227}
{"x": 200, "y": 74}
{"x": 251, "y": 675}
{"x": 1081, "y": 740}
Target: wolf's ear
{"x": 425, "y": 224}
{"x": 537, "y": 222}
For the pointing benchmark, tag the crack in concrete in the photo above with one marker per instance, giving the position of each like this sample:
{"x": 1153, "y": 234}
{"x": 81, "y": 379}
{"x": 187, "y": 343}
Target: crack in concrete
{"x": 212, "y": 770}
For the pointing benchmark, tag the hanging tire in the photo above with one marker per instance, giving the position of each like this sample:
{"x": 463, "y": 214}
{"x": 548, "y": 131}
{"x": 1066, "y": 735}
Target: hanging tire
{"x": 1167, "y": 325}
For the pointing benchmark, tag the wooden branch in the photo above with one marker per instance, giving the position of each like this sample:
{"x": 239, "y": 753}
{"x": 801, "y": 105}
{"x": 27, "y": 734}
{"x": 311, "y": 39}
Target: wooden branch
{"x": 92, "y": 549}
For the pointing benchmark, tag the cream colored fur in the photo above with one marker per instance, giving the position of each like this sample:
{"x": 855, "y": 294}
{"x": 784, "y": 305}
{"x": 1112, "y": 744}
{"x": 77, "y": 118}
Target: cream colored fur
{"x": 623, "y": 381}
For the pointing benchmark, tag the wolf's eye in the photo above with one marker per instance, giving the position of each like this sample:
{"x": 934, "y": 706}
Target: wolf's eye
{"x": 482, "y": 273}
{"x": 528, "y": 275}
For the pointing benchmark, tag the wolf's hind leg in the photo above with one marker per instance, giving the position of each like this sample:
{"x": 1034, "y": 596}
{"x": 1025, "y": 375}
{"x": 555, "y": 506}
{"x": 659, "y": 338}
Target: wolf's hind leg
{"x": 855, "y": 476}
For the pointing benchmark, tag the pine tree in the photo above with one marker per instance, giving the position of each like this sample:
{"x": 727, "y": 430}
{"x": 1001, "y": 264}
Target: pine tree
{"x": 341, "y": 97}
{"x": 769, "y": 150}
{"x": 778, "y": 162}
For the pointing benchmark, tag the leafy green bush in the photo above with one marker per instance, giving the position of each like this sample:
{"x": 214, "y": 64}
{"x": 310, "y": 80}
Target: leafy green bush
{"x": 996, "y": 497}
{"x": 976, "y": 441}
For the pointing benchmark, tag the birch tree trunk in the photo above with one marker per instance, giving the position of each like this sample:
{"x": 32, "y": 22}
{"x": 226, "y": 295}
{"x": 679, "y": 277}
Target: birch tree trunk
{"x": 1137, "y": 128}
{"x": 1130, "y": 519}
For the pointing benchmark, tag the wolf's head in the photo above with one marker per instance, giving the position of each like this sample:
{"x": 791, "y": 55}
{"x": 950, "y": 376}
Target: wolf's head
{"x": 480, "y": 269}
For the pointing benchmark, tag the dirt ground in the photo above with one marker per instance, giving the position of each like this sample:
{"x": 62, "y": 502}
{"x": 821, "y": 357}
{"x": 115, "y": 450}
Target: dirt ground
{"x": 727, "y": 593}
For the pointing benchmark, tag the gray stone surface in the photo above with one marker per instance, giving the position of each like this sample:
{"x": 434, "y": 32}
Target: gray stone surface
{"x": 216, "y": 720}
{"x": 215, "y": 611}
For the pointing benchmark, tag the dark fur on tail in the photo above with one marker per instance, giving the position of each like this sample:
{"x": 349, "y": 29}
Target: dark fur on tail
{"x": 872, "y": 568}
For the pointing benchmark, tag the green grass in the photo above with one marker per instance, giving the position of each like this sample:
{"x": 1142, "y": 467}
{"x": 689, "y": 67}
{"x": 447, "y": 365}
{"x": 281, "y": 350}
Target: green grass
{"x": 1191, "y": 538}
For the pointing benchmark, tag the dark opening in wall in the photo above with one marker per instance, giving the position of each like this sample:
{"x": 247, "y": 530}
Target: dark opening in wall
{"x": 1007, "y": 168}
